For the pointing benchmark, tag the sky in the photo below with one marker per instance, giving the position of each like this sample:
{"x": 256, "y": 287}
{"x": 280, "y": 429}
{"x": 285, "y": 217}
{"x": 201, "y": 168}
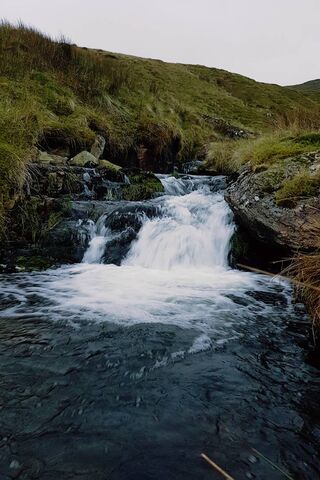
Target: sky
{"x": 274, "y": 41}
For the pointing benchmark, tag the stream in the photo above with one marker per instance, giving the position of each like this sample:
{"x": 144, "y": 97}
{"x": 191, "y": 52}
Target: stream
{"x": 131, "y": 369}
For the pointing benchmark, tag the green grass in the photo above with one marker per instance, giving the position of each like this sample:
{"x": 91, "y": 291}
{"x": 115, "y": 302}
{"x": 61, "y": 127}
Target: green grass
{"x": 311, "y": 86}
{"x": 54, "y": 94}
{"x": 302, "y": 185}
{"x": 260, "y": 153}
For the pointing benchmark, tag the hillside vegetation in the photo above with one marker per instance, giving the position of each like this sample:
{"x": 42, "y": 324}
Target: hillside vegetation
{"x": 57, "y": 94}
{"x": 311, "y": 86}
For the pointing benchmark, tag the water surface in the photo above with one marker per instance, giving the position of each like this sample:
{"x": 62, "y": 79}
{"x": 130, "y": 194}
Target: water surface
{"x": 131, "y": 371}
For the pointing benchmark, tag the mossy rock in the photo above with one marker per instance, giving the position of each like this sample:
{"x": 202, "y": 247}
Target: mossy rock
{"x": 143, "y": 186}
{"x": 51, "y": 159}
{"x": 84, "y": 159}
{"x": 111, "y": 171}
{"x": 109, "y": 165}
{"x": 34, "y": 262}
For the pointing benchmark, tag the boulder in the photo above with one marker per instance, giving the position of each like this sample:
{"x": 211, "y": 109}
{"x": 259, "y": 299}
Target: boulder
{"x": 252, "y": 198}
{"x": 98, "y": 146}
{"x": 84, "y": 159}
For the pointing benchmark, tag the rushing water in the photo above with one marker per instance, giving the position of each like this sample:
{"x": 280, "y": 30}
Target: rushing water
{"x": 140, "y": 367}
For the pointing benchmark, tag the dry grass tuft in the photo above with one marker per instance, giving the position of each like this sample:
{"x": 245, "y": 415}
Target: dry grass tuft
{"x": 305, "y": 269}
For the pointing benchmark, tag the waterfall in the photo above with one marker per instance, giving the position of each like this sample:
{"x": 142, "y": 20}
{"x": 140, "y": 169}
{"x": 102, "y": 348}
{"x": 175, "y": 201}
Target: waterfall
{"x": 163, "y": 260}
{"x": 193, "y": 230}
{"x": 99, "y": 235}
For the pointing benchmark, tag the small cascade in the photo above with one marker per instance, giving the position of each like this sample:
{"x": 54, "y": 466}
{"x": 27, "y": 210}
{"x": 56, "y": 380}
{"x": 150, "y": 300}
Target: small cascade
{"x": 99, "y": 236}
{"x": 174, "y": 186}
{"x": 195, "y": 231}
{"x": 192, "y": 228}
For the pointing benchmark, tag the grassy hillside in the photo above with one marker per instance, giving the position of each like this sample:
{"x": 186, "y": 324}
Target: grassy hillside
{"x": 54, "y": 94}
{"x": 311, "y": 86}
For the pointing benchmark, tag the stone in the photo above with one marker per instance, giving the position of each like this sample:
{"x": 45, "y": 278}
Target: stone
{"x": 107, "y": 164}
{"x": 97, "y": 148}
{"x": 84, "y": 159}
{"x": 15, "y": 464}
{"x": 51, "y": 159}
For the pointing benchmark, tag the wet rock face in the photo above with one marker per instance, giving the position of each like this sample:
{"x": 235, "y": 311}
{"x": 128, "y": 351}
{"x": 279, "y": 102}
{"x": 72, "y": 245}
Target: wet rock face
{"x": 107, "y": 182}
{"x": 45, "y": 220}
{"x": 70, "y": 238}
{"x": 252, "y": 199}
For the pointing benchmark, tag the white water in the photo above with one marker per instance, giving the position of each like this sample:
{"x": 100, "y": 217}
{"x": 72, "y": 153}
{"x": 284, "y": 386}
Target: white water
{"x": 194, "y": 232}
{"x": 176, "y": 273}
{"x": 99, "y": 235}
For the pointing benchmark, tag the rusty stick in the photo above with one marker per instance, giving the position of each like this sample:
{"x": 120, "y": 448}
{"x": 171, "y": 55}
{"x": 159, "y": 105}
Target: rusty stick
{"x": 216, "y": 467}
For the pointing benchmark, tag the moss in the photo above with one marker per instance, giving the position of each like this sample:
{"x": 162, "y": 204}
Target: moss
{"x": 302, "y": 185}
{"x": 142, "y": 187}
{"x": 34, "y": 262}
{"x": 34, "y": 218}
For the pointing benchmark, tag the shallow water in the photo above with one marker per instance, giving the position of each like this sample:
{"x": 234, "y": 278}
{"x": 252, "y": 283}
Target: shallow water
{"x": 132, "y": 371}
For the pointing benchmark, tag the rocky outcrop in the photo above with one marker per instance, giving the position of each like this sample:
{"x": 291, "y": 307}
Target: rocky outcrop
{"x": 49, "y": 222}
{"x": 252, "y": 197}
{"x": 226, "y": 129}
{"x": 68, "y": 241}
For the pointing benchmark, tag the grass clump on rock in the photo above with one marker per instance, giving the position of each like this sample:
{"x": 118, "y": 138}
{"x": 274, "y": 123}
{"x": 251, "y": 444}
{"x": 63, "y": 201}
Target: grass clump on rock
{"x": 302, "y": 185}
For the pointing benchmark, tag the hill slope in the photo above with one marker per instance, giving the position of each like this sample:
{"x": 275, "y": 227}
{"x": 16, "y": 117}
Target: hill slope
{"x": 311, "y": 86}
{"x": 57, "y": 96}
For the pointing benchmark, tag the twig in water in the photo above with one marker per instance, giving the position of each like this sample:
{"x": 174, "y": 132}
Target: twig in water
{"x": 273, "y": 464}
{"x": 215, "y": 466}
{"x": 279, "y": 276}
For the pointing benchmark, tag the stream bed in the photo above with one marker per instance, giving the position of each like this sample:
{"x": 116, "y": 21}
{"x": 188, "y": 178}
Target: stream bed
{"x": 131, "y": 371}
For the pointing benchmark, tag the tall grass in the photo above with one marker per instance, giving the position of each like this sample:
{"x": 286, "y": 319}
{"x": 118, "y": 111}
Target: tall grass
{"x": 298, "y": 119}
{"x": 265, "y": 150}
{"x": 24, "y": 50}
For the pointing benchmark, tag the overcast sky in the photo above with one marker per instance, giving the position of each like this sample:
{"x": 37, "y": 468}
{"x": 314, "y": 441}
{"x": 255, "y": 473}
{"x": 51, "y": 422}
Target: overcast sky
{"x": 275, "y": 41}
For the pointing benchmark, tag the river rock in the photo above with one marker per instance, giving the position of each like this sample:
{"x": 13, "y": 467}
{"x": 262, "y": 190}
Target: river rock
{"x": 252, "y": 198}
{"x": 84, "y": 159}
{"x": 98, "y": 146}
